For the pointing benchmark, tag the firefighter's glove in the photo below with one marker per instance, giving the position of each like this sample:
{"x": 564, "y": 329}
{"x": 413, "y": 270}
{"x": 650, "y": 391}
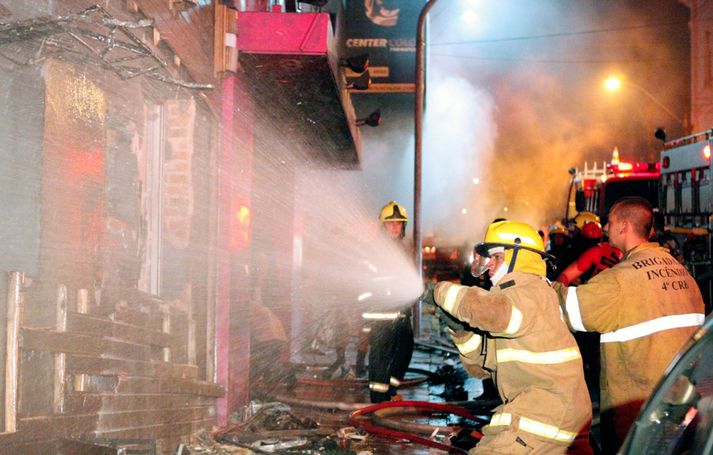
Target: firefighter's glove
{"x": 427, "y": 297}
{"x": 451, "y": 322}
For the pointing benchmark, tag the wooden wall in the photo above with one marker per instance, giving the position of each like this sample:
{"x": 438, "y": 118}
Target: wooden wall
{"x": 124, "y": 375}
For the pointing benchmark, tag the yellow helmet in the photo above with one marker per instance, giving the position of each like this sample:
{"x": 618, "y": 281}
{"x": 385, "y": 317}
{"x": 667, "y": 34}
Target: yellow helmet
{"x": 393, "y": 212}
{"x": 557, "y": 229}
{"x": 523, "y": 246}
{"x": 583, "y": 218}
{"x": 514, "y": 233}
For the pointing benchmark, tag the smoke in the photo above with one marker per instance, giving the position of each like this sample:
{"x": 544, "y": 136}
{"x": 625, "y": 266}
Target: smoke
{"x": 515, "y": 98}
{"x": 459, "y": 141}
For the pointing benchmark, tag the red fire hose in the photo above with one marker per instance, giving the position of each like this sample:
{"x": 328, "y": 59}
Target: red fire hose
{"x": 356, "y": 419}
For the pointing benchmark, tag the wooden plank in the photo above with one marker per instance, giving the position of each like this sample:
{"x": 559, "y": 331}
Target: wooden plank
{"x": 49, "y": 340}
{"x": 82, "y": 301}
{"x": 60, "y": 359}
{"x": 130, "y": 419}
{"x": 125, "y": 350}
{"x": 74, "y": 446}
{"x": 158, "y": 431}
{"x": 143, "y": 402}
{"x": 133, "y": 317}
{"x": 88, "y": 325}
{"x": 101, "y": 326}
{"x": 15, "y": 297}
{"x": 83, "y": 403}
{"x": 194, "y": 387}
{"x": 166, "y": 328}
{"x": 128, "y": 384}
{"x": 34, "y": 447}
{"x": 88, "y": 364}
{"x": 141, "y": 335}
{"x": 55, "y": 426}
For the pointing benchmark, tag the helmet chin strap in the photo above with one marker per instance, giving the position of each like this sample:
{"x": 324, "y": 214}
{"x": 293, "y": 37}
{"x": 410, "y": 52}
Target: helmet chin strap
{"x": 511, "y": 266}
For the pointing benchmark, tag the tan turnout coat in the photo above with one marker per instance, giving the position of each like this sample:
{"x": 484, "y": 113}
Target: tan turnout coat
{"x": 527, "y": 348}
{"x": 645, "y": 307}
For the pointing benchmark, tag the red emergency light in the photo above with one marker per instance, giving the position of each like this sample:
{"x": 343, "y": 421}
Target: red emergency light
{"x": 627, "y": 168}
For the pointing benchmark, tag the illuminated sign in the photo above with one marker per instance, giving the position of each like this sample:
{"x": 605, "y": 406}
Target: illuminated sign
{"x": 386, "y": 30}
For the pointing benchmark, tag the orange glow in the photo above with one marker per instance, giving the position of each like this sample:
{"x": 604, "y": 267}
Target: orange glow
{"x": 612, "y": 84}
{"x": 240, "y": 229}
{"x": 707, "y": 152}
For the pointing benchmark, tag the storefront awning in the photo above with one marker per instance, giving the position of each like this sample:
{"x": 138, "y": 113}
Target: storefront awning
{"x": 291, "y": 62}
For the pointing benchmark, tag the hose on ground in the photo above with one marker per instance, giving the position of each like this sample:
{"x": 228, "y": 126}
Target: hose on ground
{"x": 357, "y": 418}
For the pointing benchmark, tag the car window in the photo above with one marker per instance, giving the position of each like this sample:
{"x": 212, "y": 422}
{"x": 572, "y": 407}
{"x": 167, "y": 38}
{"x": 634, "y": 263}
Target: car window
{"x": 678, "y": 418}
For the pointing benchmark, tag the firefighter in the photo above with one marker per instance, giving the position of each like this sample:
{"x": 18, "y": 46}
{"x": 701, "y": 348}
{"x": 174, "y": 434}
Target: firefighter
{"x": 558, "y": 246}
{"x": 600, "y": 256}
{"x": 579, "y": 241}
{"x": 518, "y": 338}
{"x": 390, "y": 341}
{"x": 645, "y": 308}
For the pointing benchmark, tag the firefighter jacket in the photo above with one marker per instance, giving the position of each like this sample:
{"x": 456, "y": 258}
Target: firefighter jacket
{"x": 523, "y": 343}
{"x": 645, "y": 308}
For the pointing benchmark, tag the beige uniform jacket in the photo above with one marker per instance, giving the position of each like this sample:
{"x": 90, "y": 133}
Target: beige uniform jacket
{"x": 528, "y": 349}
{"x": 645, "y": 307}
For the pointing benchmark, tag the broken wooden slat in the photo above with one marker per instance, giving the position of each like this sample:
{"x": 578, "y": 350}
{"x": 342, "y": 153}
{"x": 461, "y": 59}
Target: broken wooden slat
{"x": 83, "y": 301}
{"x": 89, "y": 364}
{"x": 54, "y": 426}
{"x": 88, "y": 325}
{"x": 158, "y": 431}
{"x": 60, "y": 359}
{"x": 12, "y": 359}
{"x": 130, "y": 419}
{"x": 61, "y": 342}
{"x": 200, "y": 388}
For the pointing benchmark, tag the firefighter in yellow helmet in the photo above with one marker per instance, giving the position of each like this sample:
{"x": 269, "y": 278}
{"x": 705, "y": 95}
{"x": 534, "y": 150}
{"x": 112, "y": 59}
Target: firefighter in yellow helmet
{"x": 583, "y": 218}
{"x": 394, "y": 219}
{"x": 383, "y": 340}
{"x": 390, "y": 340}
{"x": 559, "y": 245}
{"x": 516, "y": 335}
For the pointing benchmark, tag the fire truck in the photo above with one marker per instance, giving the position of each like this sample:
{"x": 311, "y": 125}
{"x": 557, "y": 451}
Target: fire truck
{"x": 678, "y": 186}
{"x": 597, "y": 187}
{"x": 686, "y": 202}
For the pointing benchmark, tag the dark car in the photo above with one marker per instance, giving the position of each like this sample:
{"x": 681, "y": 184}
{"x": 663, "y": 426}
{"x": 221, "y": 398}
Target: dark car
{"x": 678, "y": 417}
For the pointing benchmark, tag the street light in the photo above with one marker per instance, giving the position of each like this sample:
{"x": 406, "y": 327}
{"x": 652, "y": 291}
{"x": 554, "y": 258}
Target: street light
{"x": 614, "y": 83}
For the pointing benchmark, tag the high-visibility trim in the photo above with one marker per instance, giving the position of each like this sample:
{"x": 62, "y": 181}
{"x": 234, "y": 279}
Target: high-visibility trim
{"x": 514, "y": 324}
{"x": 394, "y": 381}
{"x": 534, "y": 427}
{"x": 653, "y": 326}
{"x": 545, "y": 430}
{"x": 379, "y": 387}
{"x": 470, "y": 345}
{"x": 501, "y": 419}
{"x": 390, "y": 316}
{"x": 451, "y": 295}
{"x": 540, "y": 358}
{"x": 572, "y": 306}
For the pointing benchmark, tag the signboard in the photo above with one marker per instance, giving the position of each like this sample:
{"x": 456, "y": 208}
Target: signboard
{"x": 386, "y": 30}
